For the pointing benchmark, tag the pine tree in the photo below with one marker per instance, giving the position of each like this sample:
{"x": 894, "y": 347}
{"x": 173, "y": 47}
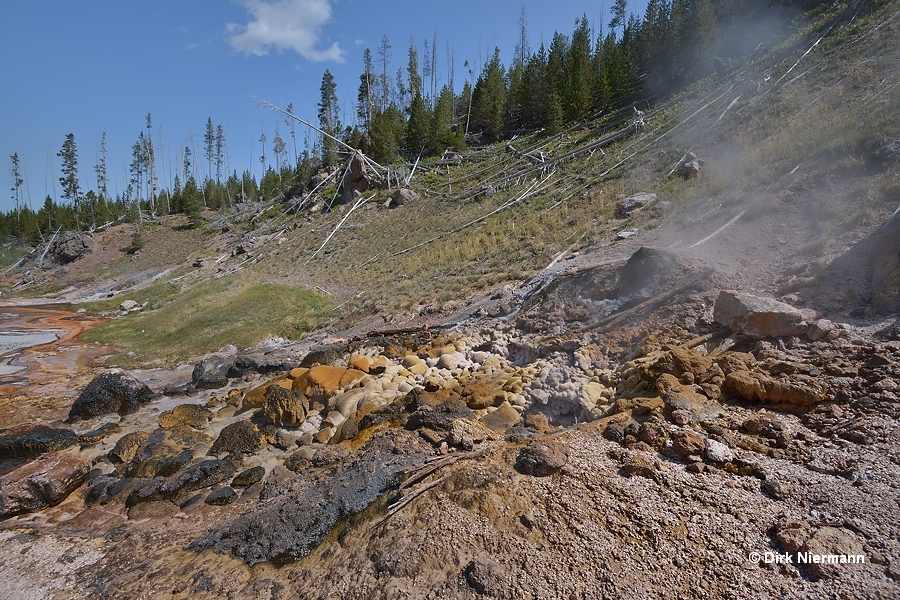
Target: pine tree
{"x": 387, "y": 133}
{"x": 209, "y": 148}
{"x": 418, "y": 126}
{"x": 578, "y": 79}
{"x": 365, "y": 105}
{"x": 412, "y": 69}
{"x": 186, "y": 163}
{"x": 329, "y": 120}
{"x": 220, "y": 151}
{"x": 100, "y": 170}
{"x": 192, "y": 201}
{"x": 16, "y": 172}
{"x": 384, "y": 57}
{"x": 278, "y": 147}
{"x": 442, "y": 135}
{"x": 69, "y": 181}
{"x": 619, "y": 11}
{"x": 489, "y": 98}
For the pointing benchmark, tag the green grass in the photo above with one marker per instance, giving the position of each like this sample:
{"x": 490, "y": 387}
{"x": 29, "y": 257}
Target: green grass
{"x": 11, "y": 252}
{"x": 208, "y": 316}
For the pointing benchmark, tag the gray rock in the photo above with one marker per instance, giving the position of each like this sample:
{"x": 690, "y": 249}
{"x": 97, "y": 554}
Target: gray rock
{"x": 718, "y": 452}
{"x": 402, "y": 196}
{"x": 261, "y": 362}
{"x": 111, "y": 392}
{"x": 486, "y": 577}
{"x": 127, "y": 305}
{"x": 757, "y": 317}
{"x": 70, "y": 246}
{"x": 634, "y": 203}
{"x": 212, "y": 371}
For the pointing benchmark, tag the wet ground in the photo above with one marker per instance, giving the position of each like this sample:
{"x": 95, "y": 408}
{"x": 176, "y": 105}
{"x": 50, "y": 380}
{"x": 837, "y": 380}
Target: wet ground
{"x": 40, "y": 354}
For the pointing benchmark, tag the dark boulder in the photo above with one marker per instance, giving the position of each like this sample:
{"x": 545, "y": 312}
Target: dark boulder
{"x": 249, "y": 477}
{"x": 261, "y": 362}
{"x": 196, "y": 477}
{"x": 440, "y": 416}
{"x": 301, "y": 510}
{"x": 324, "y": 355}
{"x": 243, "y": 437}
{"x": 221, "y": 497}
{"x": 44, "y": 482}
{"x": 28, "y": 441}
{"x": 111, "y": 392}
{"x": 541, "y": 458}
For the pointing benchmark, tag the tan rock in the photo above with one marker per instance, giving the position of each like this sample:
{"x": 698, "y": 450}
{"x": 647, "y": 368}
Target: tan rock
{"x": 360, "y": 362}
{"x": 320, "y": 382}
{"x": 127, "y": 446}
{"x": 351, "y": 376}
{"x": 467, "y": 433}
{"x": 592, "y": 394}
{"x": 418, "y": 369}
{"x": 298, "y": 372}
{"x": 483, "y": 395}
{"x": 828, "y": 542}
{"x": 746, "y": 385}
{"x": 379, "y": 364}
{"x": 503, "y": 418}
{"x": 284, "y": 408}
{"x": 799, "y": 391}
{"x": 192, "y": 415}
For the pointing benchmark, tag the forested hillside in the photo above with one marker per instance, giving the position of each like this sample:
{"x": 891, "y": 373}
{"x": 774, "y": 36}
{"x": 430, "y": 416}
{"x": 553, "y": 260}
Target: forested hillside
{"x": 400, "y": 114}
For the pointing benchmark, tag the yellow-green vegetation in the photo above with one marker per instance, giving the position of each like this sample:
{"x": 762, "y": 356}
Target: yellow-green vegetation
{"x": 208, "y": 316}
{"x": 10, "y": 253}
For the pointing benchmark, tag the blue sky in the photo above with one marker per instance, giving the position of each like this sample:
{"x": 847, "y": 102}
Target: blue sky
{"x": 101, "y": 65}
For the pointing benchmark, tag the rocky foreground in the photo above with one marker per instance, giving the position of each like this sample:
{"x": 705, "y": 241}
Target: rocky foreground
{"x": 636, "y": 432}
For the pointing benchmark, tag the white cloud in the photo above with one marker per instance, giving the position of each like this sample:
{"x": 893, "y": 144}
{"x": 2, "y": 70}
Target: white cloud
{"x": 284, "y": 25}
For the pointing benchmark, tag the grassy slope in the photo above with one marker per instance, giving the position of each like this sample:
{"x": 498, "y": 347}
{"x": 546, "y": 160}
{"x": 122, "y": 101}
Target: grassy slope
{"x": 208, "y": 316}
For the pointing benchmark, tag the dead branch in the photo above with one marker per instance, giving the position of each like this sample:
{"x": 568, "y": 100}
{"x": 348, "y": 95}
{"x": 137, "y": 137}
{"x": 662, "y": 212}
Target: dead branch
{"x": 618, "y": 318}
{"x": 349, "y": 148}
{"x": 359, "y": 203}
